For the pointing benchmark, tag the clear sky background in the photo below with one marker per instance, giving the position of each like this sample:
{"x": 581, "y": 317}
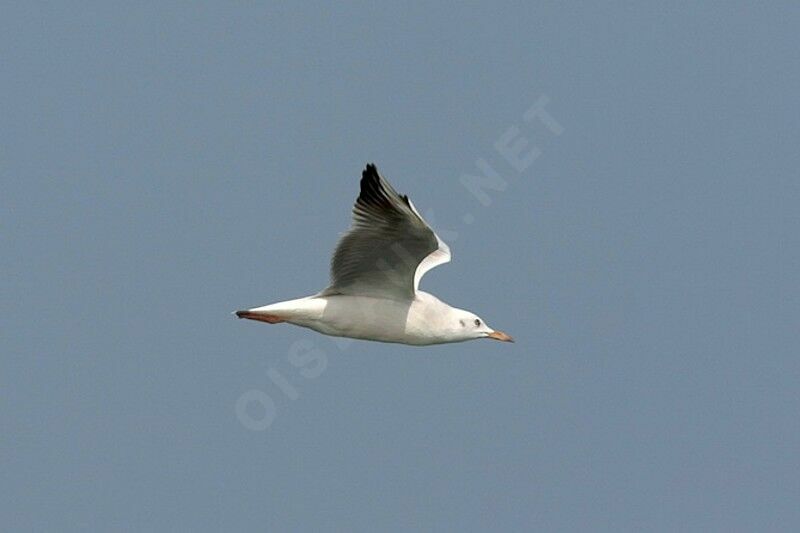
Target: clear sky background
{"x": 163, "y": 166}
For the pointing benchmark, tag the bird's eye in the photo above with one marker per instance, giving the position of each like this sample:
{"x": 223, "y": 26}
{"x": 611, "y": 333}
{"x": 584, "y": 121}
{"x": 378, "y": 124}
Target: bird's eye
{"x": 477, "y": 321}
{"x": 461, "y": 322}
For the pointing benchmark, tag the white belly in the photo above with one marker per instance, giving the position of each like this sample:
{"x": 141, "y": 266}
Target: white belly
{"x": 363, "y": 317}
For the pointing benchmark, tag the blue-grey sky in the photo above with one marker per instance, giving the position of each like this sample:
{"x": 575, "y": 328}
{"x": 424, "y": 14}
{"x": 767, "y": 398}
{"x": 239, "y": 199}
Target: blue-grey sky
{"x": 164, "y": 165}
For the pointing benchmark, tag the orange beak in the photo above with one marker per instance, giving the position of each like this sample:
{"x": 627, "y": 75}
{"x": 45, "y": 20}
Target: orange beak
{"x": 500, "y": 336}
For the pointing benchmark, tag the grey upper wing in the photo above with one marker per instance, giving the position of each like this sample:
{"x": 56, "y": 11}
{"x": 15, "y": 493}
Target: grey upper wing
{"x": 389, "y": 246}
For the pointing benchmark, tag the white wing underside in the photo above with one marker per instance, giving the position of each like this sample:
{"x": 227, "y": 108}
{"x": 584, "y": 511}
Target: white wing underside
{"x": 388, "y": 248}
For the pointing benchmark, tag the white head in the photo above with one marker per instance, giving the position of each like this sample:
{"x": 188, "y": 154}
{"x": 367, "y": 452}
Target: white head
{"x": 465, "y": 326}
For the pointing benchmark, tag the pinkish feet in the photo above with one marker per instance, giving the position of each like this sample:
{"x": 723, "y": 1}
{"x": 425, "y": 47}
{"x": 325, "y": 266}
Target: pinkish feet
{"x": 261, "y": 317}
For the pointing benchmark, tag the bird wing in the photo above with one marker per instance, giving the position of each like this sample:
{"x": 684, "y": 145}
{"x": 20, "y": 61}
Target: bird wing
{"x": 389, "y": 246}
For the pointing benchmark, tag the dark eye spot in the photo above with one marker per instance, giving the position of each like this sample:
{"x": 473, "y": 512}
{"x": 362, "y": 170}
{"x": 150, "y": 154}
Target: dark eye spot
{"x": 477, "y": 321}
{"x": 461, "y": 322}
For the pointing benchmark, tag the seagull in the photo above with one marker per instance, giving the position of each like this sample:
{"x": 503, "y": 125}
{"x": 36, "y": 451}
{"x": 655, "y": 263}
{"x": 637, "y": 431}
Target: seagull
{"x": 375, "y": 272}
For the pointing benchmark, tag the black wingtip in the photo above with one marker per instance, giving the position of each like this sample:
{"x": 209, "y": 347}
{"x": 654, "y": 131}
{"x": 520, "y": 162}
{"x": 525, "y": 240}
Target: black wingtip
{"x": 370, "y": 171}
{"x": 371, "y": 189}
{"x": 375, "y": 190}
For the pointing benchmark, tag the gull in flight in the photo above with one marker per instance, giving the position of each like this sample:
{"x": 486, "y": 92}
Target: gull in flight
{"x": 375, "y": 273}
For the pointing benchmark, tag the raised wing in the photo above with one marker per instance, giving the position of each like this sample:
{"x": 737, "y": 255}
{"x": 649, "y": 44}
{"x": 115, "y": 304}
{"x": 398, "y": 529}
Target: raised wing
{"x": 388, "y": 248}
